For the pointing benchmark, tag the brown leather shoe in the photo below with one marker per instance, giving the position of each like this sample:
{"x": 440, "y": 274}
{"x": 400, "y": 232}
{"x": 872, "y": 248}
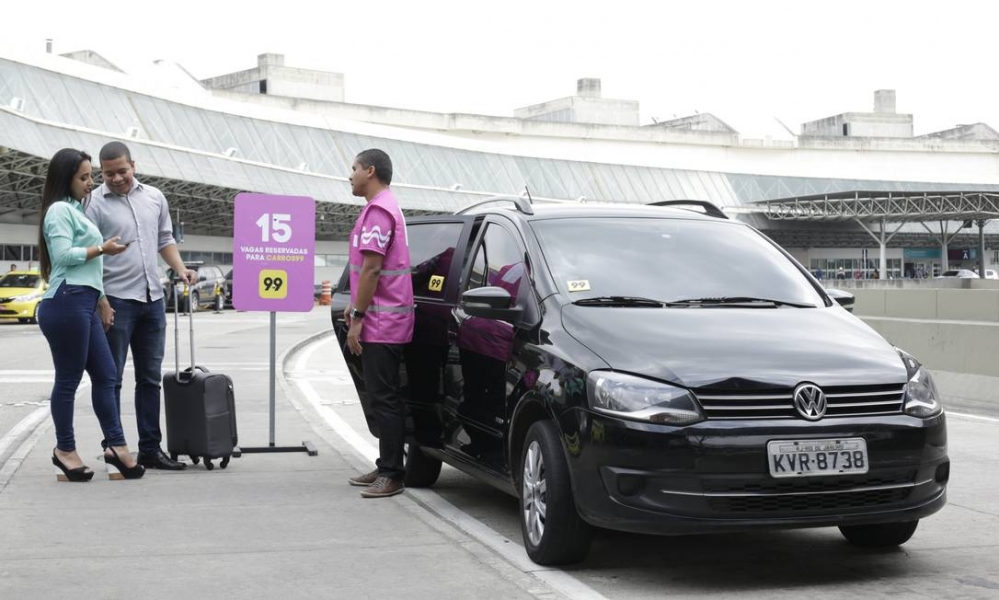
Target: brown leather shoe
{"x": 383, "y": 487}
{"x": 364, "y": 480}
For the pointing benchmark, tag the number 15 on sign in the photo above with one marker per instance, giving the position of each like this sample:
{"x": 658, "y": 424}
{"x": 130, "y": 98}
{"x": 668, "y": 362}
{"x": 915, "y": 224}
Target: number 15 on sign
{"x": 274, "y": 225}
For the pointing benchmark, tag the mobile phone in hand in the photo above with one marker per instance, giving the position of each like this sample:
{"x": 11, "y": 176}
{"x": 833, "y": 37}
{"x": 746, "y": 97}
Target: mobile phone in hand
{"x": 129, "y": 242}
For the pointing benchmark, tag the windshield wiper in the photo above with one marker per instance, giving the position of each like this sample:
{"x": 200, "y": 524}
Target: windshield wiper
{"x": 734, "y": 300}
{"x": 619, "y": 301}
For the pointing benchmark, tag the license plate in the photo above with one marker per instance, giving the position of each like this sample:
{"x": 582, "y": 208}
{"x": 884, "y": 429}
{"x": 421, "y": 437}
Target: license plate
{"x": 807, "y": 458}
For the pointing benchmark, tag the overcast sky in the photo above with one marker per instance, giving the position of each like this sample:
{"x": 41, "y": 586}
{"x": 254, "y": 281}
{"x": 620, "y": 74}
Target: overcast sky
{"x": 748, "y": 62}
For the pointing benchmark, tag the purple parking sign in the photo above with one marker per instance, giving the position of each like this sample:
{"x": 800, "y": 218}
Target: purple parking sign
{"x": 273, "y": 253}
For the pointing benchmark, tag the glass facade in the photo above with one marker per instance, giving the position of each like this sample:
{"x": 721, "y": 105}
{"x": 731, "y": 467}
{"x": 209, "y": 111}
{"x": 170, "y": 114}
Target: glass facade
{"x": 855, "y": 268}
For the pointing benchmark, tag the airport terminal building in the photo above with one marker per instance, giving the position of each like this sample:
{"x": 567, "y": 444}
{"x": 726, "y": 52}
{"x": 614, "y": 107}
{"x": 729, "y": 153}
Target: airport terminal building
{"x": 280, "y": 130}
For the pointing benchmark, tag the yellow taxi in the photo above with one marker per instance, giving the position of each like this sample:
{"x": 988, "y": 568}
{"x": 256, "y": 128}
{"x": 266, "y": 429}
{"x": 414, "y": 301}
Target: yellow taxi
{"x": 20, "y": 293}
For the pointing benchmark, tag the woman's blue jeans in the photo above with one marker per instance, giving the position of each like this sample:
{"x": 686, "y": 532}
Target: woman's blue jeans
{"x": 70, "y": 322}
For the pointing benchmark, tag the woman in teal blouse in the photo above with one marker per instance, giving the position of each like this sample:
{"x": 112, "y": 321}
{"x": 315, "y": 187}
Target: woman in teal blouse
{"x": 71, "y": 249}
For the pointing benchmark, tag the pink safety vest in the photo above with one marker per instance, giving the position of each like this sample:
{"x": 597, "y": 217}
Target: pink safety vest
{"x": 381, "y": 228}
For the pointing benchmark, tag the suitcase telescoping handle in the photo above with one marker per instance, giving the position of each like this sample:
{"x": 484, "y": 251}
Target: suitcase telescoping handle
{"x": 176, "y": 329}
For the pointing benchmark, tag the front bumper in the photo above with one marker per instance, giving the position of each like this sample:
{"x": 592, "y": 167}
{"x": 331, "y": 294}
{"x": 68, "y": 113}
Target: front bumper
{"x": 713, "y": 476}
{"x": 18, "y": 310}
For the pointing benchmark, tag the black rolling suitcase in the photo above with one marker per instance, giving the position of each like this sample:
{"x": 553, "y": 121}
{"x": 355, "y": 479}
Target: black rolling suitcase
{"x": 200, "y": 408}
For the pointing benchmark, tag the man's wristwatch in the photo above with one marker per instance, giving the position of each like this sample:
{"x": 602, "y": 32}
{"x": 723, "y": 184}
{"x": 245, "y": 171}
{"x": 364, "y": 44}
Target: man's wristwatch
{"x": 100, "y": 250}
{"x": 356, "y": 314}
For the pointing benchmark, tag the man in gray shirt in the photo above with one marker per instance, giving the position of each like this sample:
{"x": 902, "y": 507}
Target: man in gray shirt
{"x": 132, "y": 310}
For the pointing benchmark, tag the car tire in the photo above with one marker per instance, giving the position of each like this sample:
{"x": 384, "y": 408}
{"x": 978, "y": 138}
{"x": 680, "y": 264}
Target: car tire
{"x": 34, "y": 315}
{"x": 193, "y": 302}
{"x": 219, "y": 303}
{"x": 421, "y": 470}
{"x": 554, "y": 533}
{"x": 881, "y": 535}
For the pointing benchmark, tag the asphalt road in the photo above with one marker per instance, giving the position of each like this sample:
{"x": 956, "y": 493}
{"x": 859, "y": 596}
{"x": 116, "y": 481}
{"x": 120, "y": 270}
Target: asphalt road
{"x": 954, "y": 554}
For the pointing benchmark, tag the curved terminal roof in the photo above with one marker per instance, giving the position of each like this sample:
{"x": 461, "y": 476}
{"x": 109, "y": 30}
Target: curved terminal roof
{"x": 202, "y": 150}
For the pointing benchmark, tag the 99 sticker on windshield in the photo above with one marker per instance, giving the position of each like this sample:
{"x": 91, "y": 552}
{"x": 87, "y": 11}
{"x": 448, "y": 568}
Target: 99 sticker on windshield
{"x": 581, "y": 285}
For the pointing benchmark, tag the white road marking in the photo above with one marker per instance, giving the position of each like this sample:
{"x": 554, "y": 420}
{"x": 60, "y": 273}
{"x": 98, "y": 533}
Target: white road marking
{"x": 511, "y": 551}
{"x": 975, "y": 417}
{"x": 48, "y": 375}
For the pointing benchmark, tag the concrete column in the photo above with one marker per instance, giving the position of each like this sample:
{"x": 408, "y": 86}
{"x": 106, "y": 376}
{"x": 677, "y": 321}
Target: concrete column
{"x": 883, "y": 243}
{"x": 981, "y": 248}
{"x": 944, "y": 261}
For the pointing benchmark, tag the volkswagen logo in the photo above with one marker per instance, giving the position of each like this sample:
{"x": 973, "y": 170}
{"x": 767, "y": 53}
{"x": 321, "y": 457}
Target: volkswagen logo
{"x": 810, "y": 401}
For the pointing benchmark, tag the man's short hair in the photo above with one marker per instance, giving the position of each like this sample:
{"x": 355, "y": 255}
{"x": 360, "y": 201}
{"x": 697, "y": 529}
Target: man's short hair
{"x": 380, "y": 161}
{"x": 115, "y": 150}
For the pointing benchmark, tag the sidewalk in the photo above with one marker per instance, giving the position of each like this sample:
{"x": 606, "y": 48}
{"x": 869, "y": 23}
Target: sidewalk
{"x": 270, "y": 525}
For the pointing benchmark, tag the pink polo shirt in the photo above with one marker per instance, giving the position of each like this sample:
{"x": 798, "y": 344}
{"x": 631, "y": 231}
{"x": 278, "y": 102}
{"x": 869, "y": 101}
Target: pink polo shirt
{"x": 381, "y": 228}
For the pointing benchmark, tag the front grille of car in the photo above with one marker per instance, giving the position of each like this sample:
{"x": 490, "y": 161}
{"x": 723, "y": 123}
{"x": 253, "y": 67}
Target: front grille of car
{"x": 843, "y": 401}
{"x": 8, "y": 312}
{"x": 808, "y": 484}
{"x": 809, "y": 502}
{"x": 809, "y": 494}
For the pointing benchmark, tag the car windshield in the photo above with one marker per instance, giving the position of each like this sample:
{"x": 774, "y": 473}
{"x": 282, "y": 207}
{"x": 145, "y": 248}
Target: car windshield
{"x": 669, "y": 260}
{"x": 20, "y": 281}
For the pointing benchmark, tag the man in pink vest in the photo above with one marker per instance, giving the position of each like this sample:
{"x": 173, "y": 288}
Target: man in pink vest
{"x": 381, "y": 314}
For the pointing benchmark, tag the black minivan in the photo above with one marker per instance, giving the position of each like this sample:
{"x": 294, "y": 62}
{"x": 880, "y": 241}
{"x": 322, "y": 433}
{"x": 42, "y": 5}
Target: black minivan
{"x": 659, "y": 370}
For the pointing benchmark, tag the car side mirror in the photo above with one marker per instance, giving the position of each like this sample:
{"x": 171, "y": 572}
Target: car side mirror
{"x": 844, "y": 299}
{"x": 491, "y": 303}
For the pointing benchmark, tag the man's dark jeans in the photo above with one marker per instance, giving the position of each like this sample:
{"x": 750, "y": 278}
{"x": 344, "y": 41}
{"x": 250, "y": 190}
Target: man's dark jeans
{"x": 381, "y": 381}
{"x": 141, "y": 326}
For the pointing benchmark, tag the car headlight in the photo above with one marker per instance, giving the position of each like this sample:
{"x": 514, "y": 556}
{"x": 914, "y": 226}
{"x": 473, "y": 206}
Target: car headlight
{"x": 642, "y": 399}
{"x": 27, "y": 297}
{"x": 921, "y": 396}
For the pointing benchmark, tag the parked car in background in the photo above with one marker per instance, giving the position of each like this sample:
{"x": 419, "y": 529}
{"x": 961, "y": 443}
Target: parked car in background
{"x": 207, "y": 293}
{"x": 958, "y": 274}
{"x": 654, "y": 370}
{"x": 20, "y": 293}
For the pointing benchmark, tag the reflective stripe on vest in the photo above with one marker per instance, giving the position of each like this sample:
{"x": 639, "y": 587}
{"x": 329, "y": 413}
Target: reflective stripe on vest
{"x": 384, "y": 272}
{"x": 390, "y": 309}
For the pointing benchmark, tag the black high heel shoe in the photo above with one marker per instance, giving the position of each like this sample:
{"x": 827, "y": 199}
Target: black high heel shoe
{"x": 117, "y": 469}
{"x": 78, "y": 474}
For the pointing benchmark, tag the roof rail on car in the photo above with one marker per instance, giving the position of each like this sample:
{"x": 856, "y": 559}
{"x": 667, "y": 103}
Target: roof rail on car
{"x": 709, "y": 208}
{"x": 520, "y": 203}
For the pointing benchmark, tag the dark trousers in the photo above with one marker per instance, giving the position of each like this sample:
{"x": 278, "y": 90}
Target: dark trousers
{"x": 140, "y": 326}
{"x": 70, "y": 323}
{"x": 381, "y": 380}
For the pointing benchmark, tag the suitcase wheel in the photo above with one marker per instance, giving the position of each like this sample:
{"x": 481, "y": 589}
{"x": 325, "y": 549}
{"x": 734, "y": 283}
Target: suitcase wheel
{"x": 195, "y": 459}
{"x": 224, "y": 463}
{"x": 209, "y": 465}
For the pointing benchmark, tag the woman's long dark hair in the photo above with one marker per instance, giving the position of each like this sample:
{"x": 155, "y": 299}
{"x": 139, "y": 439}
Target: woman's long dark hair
{"x": 62, "y": 170}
